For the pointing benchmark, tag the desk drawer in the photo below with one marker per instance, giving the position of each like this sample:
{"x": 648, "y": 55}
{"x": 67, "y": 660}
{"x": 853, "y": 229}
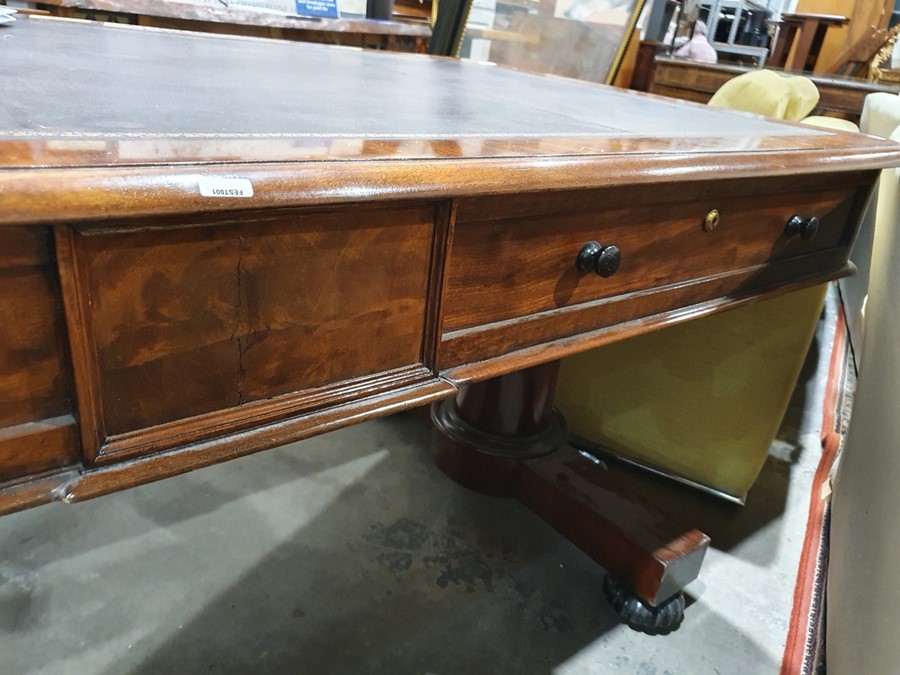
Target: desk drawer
{"x": 506, "y": 269}
{"x": 195, "y": 329}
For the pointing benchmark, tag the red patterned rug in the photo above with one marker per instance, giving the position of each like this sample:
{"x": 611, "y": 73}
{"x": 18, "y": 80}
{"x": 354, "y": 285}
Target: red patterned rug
{"x": 804, "y": 652}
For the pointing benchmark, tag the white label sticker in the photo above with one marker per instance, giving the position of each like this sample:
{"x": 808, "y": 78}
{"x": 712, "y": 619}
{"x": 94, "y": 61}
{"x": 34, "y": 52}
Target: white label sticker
{"x": 226, "y": 187}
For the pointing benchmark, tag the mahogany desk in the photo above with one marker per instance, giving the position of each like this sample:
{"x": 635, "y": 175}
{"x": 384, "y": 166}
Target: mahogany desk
{"x": 210, "y": 246}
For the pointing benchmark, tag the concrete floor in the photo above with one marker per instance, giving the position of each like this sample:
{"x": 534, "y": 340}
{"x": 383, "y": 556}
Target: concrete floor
{"x": 352, "y": 553}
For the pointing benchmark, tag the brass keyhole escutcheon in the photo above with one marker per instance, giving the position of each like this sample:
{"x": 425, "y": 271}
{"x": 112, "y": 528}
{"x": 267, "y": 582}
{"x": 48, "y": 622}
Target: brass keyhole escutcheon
{"x": 711, "y": 221}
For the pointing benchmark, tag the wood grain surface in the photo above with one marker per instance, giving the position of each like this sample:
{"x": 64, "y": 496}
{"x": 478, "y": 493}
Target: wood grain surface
{"x": 515, "y": 294}
{"x": 37, "y": 430}
{"x": 506, "y": 268}
{"x": 413, "y": 225}
{"x": 243, "y": 312}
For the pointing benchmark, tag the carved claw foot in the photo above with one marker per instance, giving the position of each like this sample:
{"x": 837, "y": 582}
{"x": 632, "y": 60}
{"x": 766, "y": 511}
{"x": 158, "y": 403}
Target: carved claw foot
{"x": 640, "y": 615}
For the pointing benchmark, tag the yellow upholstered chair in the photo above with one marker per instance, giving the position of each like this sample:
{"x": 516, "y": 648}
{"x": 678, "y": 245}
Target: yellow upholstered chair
{"x": 701, "y": 401}
{"x": 765, "y": 92}
{"x": 778, "y": 95}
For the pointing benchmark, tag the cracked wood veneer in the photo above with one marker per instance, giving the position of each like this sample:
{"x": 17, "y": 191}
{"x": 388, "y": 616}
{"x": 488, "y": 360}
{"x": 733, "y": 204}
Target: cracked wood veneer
{"x": 414, "y": 225}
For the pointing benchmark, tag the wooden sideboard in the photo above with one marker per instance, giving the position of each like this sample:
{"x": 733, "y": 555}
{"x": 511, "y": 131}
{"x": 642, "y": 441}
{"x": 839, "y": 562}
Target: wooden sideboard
{"x": 213, "y": 246}
{"x": 398, "y": 36}
{"x": 838, "y": 96}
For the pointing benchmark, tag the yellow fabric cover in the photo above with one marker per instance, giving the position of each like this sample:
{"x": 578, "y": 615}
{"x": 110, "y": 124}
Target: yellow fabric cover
{"x": 764, "y": 92}
{"x": 703, "y": 399}
{"x": 835, "y": 123}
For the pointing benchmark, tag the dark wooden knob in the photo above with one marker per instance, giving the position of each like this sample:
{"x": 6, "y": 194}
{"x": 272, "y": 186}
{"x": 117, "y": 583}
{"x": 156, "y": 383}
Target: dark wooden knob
{"x": 805, "y": 227}
{"x": 602, "y": 260}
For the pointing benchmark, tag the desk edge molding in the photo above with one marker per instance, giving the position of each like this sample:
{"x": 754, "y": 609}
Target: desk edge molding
{"x": 113, "y": 194}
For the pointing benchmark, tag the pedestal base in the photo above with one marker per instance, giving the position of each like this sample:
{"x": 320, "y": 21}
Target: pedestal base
{"x": 638, "y": 614}
{"x": 489, "y": 448}
{"x": 636, "y": 541}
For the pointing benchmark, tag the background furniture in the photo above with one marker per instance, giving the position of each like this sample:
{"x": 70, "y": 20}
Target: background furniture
{"x": 765, "y": 92}
{"x": 581, "y": 39}
{"x": 863, "y": 16}
{"x": 841, "y": 97}
{"x": 778, "y": 95}
{"x": 737, "y": 27}
{"x": 859, "y": 58}
{"x": 187, "y": 281}
{"x": 806, "y": 45}
{"x": 391, "y": 35}
{"x": 855, "y": 39}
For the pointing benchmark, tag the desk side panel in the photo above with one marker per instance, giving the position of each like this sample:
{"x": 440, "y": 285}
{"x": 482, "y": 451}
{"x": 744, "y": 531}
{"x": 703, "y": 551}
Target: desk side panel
{"x": 195, "y": 329}
{"x": 37, "y": 423}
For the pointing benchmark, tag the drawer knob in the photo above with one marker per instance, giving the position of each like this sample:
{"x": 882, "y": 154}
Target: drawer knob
{"x": 805, "y": 227}
{"x": 602, "y": 260}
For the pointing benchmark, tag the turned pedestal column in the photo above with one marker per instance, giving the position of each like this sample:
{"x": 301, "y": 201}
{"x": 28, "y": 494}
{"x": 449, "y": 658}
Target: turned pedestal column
{"x": 503, "y": 437}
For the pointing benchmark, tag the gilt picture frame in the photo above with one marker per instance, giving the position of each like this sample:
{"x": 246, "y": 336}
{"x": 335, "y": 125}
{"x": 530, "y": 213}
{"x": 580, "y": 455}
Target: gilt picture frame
{"x": 580, "y": 39}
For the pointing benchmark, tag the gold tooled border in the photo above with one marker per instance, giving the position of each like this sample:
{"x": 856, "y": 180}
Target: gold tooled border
{"x": 462, "y": 29}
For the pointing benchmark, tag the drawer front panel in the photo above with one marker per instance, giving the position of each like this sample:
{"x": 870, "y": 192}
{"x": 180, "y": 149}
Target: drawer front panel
{"x": 508, "y": 268}
{"x": 193, "y": 320}
{"x": 514, "y": 294}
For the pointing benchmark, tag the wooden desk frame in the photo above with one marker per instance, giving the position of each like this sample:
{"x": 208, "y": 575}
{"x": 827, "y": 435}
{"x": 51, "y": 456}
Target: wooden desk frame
{"x": 277, "y": 285}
